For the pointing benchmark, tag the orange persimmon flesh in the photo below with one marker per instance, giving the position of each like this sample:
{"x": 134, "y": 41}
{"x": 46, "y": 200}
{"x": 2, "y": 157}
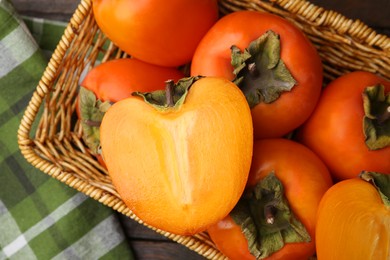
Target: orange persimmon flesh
{"x": 181, "y": 169}
{"x": 353, "y": 223}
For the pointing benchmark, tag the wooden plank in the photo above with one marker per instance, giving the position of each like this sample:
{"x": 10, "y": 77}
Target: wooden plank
{"x": 146, "y": 250}
{"x": 147, "y": 244}
{"x": 135, "y": 231}
{"x": 57, "y": 10}
{"x": 374, "y": 13}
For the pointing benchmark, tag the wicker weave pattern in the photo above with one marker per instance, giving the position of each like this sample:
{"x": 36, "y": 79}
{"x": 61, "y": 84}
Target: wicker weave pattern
{"x": 49, "y": 135}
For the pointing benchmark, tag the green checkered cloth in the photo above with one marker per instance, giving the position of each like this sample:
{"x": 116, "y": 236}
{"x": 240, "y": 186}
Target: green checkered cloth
{"x": 41, "y": 218}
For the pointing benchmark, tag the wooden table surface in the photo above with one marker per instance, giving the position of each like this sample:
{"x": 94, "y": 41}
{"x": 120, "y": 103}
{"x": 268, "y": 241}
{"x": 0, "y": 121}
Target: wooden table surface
{"x": 146, "y": 243}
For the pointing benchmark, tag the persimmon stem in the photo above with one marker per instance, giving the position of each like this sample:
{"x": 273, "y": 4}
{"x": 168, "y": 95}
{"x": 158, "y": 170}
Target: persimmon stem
{"x": 92, "y": 123}
{"x": 270, "y": 212}
{"x": 169, "y": 89}
{"x": 385, "y": 116}
{"x": 252, "y": 68}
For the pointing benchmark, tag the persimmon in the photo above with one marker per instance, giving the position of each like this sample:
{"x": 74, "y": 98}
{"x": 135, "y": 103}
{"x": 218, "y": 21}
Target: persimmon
{"x": 164, "y": 33}
{"x": 276, "y": 216}
{"x": 180, "y": 158}
{"x": 353, "y": 219}
{"x": 350, "y": 127}
{"x": 273, "y": 63}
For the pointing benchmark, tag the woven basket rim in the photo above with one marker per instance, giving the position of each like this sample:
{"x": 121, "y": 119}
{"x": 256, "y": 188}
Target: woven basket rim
{"x": 316, "y": 15}
{"x": 320, "y": 16}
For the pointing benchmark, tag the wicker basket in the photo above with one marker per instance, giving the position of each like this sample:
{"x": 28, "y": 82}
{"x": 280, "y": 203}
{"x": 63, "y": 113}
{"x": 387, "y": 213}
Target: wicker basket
{"x": 50, "y": 138}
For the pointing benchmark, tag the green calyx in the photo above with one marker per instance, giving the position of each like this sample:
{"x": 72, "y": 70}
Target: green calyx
{"x": 376, "y": 121}
{"x": 92, "y": 111}
{"x": 266, "y": 219}
{"x": 172, "y": 97}
{"x": 381, "y": 182}
{"x": 260, "y": 72}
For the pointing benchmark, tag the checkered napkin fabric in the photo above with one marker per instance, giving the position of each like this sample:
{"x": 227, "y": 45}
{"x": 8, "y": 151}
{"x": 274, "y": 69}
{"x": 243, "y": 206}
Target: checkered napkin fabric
{"x": 40, "y": 218}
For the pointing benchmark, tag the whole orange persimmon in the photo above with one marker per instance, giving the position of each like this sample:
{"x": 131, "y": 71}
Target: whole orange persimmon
{"x": 273, "y": 63}
{"x": 350, "y": 127}
{"x": 180, "y": 158}
{"x": 164, "y": 33}
{"x": 276, "y": 218}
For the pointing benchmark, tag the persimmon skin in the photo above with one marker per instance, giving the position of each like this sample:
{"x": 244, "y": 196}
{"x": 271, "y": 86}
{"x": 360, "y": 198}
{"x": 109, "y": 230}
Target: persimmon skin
{"x": 117, "y": 79}
{"x": 212, "y": 58}
{"x": 182, "y": 169}
{"x": 335, "y": 129}
{"x": 229, "y": 239}
{"x": 164, "y": 33}
{"x": 353, "y": 223}
{"x": 305, "y": 180}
